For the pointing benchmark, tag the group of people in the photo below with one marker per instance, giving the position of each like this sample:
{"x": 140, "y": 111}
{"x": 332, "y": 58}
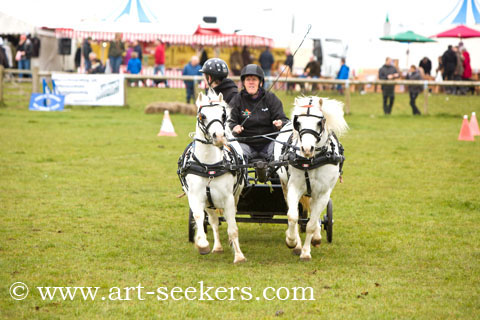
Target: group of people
{"x": 454, "y": 64}
{"x": 129, "y": 54}
{"x": 28, "y": 47}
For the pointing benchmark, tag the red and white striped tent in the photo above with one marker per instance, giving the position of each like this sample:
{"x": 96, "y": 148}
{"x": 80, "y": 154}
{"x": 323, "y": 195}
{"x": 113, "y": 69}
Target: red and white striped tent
{"x": 202, "y": 36}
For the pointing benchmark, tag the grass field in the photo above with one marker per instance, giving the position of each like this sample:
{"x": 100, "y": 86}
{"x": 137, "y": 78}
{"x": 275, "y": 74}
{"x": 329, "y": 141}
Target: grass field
{"x": 88, "y": 198}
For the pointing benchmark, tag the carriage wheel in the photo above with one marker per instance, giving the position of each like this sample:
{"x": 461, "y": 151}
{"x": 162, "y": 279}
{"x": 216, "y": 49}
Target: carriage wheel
{"x": 329, "y": 221}
{"x": 192, "y": 225}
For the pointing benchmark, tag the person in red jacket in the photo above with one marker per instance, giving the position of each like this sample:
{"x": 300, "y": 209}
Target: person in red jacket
{"x": 467, "y": 69}
{"x": 160, "y": 60}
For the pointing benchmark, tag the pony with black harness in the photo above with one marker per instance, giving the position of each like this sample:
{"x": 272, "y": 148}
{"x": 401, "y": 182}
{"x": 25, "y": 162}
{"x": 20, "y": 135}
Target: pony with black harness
{"x": 314, "y": 159}
{"x": 211, "y": 174}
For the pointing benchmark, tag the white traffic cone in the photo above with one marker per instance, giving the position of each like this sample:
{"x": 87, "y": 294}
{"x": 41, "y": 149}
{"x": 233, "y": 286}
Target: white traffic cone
{"x": 167, "y": 126}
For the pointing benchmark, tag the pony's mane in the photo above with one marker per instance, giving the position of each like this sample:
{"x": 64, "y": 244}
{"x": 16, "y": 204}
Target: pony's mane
{"x": 331, "y": 109}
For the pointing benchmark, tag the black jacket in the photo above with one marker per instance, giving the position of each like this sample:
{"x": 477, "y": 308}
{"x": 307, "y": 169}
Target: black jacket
{"x": 263, "y": 111}
{"x": 415, "y": 76}
{"x": 383, "y": 74}
{"x": 449, "y": 60}
{"x": 228, "y": 88}
{"x": 266, "y": 60}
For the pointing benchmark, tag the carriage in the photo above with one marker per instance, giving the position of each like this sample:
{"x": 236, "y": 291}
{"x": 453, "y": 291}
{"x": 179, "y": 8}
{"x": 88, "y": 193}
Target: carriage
{"x": 297, "y": 183}
{"x": 262, "y": 201}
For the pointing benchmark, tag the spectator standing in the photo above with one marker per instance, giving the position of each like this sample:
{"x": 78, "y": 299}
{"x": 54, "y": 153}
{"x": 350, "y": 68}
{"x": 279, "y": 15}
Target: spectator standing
{"x": 128, "y": 53}
{"x": 289, "y": 71}
{"x": 160, "y": 61}
{"x": 342, "y": 74}
{"x": 426, "y": 65}
{"x": 86, "y": 49}
{"x": 458, "y": 73}
{"x": 137, "y": 47}
{"x": 215, "y": 72}
{"x": 246, "y": 56}
{"x": 266, "y": 61}
{"x": 236, "y": 62}
{"x": 388, "y": 72}
{"x": 24, "y": 54}
{"x": 203, "y": 56}
{"x": 115, "y": 53}
{"x": 467, "y": 69}
{"x": 449, "y": 63}
{"x": 134, "y": 64}
{"x": 414, "y": 90}
{"x": 191, "y": 69}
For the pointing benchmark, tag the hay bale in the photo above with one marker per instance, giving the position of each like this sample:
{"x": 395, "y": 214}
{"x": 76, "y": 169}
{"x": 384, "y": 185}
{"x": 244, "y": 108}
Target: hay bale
{"x": 172, "y": 107}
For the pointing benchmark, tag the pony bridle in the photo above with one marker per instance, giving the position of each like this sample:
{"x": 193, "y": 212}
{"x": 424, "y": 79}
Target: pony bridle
{"x": 301, "y": 132}
{"x": 201, "y": 120}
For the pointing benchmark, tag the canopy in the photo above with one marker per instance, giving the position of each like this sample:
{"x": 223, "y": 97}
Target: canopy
{"x": 11, "y": 25}
{"x": 408, "y": 36}
{"x": 199, "y": 38}
{"x": 462, "y": 32}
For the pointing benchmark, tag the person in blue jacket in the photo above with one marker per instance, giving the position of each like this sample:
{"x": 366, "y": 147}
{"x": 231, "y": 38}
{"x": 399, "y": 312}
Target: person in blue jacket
{"x": 191, "y": 69}
{"x": 342, "y": 74}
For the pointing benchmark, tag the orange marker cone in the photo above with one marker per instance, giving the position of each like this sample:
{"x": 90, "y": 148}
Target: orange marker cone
{"x": 167, "y": 126}
{"x": 474, "y": 125}
{"x": 465, "y": 132}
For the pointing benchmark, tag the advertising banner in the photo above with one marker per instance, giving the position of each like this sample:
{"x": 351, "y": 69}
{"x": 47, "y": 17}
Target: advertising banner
{"x": 90, "y": 89}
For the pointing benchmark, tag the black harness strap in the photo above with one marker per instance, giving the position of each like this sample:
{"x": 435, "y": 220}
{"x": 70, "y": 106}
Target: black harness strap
{"x": 309, "y": 187}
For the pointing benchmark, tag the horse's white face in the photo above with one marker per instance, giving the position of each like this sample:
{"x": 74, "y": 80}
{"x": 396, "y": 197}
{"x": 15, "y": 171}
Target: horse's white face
{"x": 309, "y": 122}
{"x": 212, "y": 117}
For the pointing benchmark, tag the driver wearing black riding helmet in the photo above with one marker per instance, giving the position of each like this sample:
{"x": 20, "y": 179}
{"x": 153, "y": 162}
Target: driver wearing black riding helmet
{"x": 215, "y": 72}
{"x": 255, "y": 111}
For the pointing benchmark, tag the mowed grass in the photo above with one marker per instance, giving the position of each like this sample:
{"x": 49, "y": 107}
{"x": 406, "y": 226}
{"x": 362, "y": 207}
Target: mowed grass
{"x": 88, "y": 197}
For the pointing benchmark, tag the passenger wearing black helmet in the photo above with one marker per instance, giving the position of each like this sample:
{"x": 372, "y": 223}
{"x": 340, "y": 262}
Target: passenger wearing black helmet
{"x": 255, "y": 111}
{"x": 215, "y": 72}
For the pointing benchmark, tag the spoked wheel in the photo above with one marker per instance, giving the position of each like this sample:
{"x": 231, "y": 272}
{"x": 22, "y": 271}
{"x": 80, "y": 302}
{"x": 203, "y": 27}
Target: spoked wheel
{"x": 192, "y": 225}
{"x": 328, "y": 221}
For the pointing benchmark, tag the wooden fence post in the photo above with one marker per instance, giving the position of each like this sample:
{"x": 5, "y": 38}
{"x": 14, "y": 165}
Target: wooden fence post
{"x": 35, "y": 80}
{"x": 1, "y": 84}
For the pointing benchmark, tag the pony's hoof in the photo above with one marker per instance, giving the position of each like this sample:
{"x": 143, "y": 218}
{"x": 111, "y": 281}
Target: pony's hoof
{"x": 297, "y": 251}
{"x": 240, "y": 260}
{"x": 290, "y": 244}
{"x": 305, "y": 258}
{"x": 217, "y": 250}
{"x": 316, "y": 242}
{"x": 204, "y": 250}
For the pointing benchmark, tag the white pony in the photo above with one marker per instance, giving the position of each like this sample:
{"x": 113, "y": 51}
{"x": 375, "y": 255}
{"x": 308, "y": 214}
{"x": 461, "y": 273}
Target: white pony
{"x": 314, "y": 164}
{"x": 209, "y": 176}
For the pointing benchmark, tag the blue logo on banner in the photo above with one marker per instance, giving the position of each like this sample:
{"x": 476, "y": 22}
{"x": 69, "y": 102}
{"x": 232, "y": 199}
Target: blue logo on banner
{"x": 46, "y": 102}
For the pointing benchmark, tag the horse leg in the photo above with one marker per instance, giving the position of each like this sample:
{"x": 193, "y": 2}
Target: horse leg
{"x": 317, "y": 206}
{"x": 213, "y": 219}
{"x": 199, "y": 215}
{"x": 229, "y": 213}
{"x": 292, "y": 235}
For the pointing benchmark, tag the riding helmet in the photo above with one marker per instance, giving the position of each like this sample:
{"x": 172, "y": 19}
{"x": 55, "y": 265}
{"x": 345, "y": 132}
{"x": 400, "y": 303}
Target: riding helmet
{"x": 252, "y": 70}
{"x": 215, "y": 67}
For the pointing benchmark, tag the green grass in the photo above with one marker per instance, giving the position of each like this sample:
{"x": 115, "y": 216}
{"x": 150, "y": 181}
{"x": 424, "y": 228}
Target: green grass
{"x": 88, "y": 198}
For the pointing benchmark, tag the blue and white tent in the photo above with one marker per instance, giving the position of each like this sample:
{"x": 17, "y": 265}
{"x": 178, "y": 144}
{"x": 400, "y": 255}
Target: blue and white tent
{"x": 465, "y": 12}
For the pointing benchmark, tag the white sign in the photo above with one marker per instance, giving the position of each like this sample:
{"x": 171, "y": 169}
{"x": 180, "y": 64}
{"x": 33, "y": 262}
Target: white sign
{"x": 91, "y": 89}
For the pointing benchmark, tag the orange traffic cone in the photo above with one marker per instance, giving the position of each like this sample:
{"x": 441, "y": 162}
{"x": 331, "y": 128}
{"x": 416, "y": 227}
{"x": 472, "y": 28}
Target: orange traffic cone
{"x": 465, "y": 132}
{"x": 167, "y": 126}
{"x": 474, "y": 125}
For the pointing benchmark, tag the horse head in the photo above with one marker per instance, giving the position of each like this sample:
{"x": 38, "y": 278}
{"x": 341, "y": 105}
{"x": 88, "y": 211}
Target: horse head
{"x": 211, "y": 118}
{"x": 314, "y": 118}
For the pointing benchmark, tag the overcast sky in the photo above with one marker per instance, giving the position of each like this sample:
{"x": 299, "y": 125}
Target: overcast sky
{"x": 356, "y": 22}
